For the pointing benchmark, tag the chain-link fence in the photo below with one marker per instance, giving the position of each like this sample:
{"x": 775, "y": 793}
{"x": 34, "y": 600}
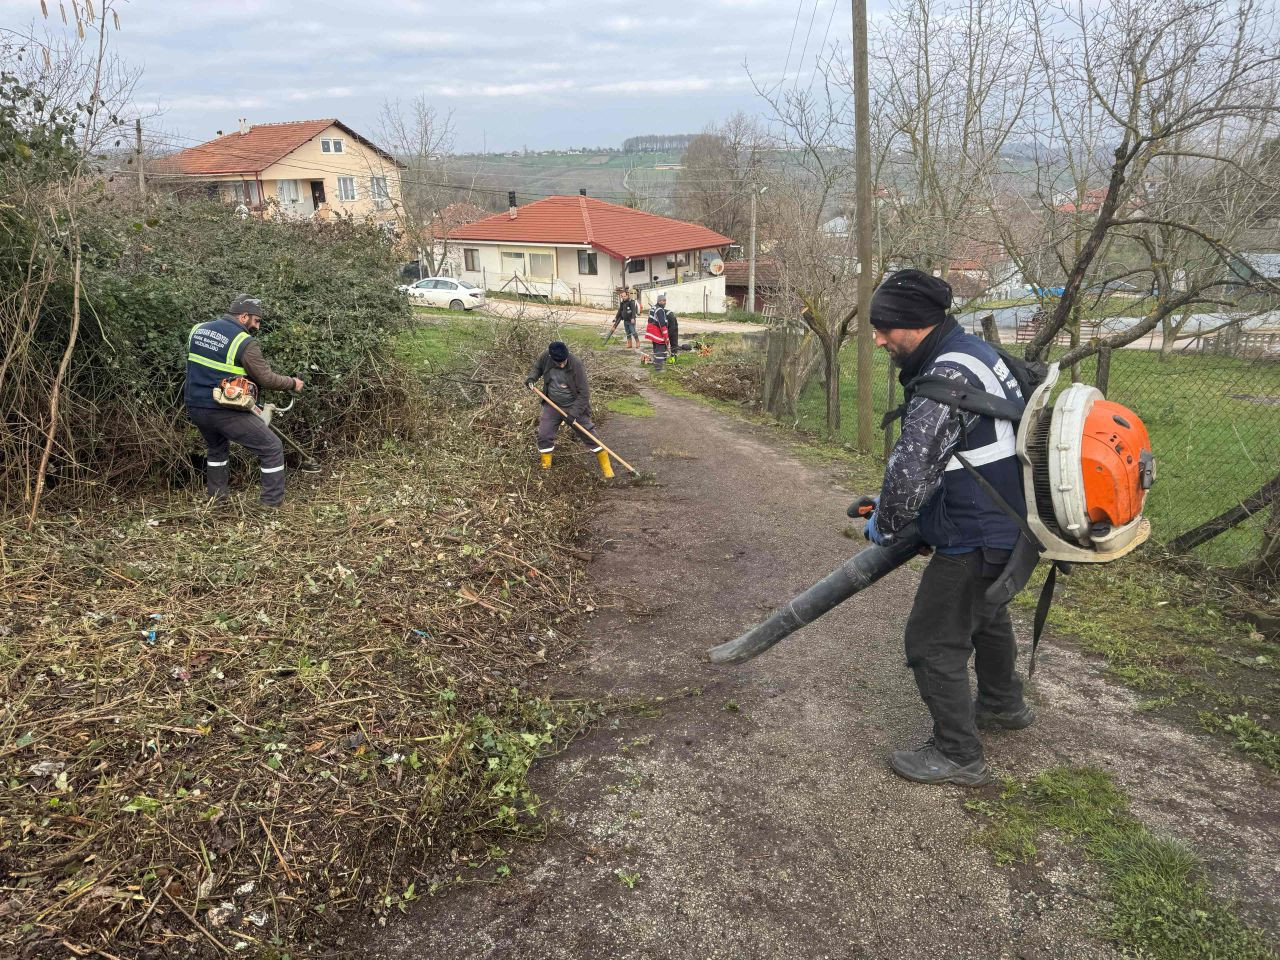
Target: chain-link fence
{"x": 1211, "y": 406}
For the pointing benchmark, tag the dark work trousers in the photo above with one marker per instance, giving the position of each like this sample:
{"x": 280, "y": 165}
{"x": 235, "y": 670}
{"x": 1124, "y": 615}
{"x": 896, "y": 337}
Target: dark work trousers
{"x": 549, "y": 422}
{"x": 950, "y": 620}
{"x": 219, "y": 426}
{"x": 673, "y": 335}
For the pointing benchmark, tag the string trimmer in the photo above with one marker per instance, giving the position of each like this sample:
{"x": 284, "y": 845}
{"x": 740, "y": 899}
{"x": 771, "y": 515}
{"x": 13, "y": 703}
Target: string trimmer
{"x": 267, "y": 413}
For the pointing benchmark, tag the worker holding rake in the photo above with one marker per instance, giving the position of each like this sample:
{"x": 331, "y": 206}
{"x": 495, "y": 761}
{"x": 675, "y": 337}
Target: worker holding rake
{"x": 567, "y": 399}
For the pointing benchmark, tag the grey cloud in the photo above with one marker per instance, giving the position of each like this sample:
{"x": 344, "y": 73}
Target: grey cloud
{"x": 537, "y": 72}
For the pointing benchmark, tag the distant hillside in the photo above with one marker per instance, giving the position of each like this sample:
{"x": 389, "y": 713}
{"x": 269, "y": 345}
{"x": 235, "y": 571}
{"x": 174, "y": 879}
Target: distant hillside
{"x": 632, "y": 179}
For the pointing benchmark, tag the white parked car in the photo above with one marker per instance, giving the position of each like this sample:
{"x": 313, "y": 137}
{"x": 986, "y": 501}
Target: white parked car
{"x": 445, "y": 292}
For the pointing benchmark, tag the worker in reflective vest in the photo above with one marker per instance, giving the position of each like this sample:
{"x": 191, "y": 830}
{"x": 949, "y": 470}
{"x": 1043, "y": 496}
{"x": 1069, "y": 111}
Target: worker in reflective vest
{"x": 223, "y": 349}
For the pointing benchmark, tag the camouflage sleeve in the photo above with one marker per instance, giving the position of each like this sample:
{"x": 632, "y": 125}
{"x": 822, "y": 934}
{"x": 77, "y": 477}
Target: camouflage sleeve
{"x": 930, "y": 434}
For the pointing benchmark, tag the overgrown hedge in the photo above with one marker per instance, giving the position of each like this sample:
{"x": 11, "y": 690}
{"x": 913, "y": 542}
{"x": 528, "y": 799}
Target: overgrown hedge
{"x": 152, "y": 271}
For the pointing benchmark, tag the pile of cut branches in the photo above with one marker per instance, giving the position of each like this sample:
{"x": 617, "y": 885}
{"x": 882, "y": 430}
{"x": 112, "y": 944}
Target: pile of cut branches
{"x": 737, "y": 378}
{"x": 221, "y": 729}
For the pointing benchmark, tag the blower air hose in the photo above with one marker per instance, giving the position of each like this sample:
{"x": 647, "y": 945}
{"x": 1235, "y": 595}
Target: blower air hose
{"x": 857, "y": 573}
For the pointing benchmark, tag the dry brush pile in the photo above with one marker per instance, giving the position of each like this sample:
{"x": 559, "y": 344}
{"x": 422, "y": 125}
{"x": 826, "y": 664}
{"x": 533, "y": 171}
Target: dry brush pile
{"x": 220, "y": 731}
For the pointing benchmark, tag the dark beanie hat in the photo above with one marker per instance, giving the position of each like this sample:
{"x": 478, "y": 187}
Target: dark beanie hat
{"x": 910, "y": 298}
{"x": 558, "y": 351}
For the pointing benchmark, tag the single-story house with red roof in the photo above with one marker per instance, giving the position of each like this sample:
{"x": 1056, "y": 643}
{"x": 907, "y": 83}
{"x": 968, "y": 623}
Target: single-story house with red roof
{"x": 586, "y": 250}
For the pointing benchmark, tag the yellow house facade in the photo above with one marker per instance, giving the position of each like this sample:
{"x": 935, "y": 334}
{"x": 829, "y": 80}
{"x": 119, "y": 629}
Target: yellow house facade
{"x": 299, "y": 170}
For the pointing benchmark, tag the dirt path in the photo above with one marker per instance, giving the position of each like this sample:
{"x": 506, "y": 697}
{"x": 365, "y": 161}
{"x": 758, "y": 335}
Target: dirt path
{"x": 751, "y": 814}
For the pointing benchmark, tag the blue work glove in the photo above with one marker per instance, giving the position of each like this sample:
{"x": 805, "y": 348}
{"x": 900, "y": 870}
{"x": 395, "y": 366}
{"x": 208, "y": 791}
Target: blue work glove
{"x": 872, "y": 532}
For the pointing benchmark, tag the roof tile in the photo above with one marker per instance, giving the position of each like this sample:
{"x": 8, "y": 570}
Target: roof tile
{"x": 587, "y": 221}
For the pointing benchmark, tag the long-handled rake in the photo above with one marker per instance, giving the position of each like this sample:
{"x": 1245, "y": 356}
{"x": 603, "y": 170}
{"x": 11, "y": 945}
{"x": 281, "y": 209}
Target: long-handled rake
{"x": 585, "y": 432}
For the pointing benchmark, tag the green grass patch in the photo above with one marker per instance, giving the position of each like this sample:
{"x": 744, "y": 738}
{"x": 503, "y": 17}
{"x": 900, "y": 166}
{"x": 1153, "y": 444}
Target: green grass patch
{"x": 441, "y": 338}
{"x": 632, "y": 405}
{"x": 1161, "y": 906}
{"x": 1247, "y": 735}
{"x": 1162, "y": 633}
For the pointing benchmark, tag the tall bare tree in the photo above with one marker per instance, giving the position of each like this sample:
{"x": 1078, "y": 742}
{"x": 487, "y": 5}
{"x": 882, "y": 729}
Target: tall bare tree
{"x": 1168, "y": 87}
{"x": 720, "y": 168}
{"x": 421, "y": 137}
{"x": 817, "y": 267}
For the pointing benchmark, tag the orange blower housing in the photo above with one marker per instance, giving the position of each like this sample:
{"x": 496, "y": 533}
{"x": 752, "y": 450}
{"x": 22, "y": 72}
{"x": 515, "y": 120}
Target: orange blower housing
{"x": 1111, "y": 459}
{"x": 1087, "y": 467}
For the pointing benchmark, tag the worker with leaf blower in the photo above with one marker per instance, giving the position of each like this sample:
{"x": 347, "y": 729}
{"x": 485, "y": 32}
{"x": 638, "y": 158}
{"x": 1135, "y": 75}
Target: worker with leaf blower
{"x": 971, "y": 535}
{"x": 565, "y": 385}
{"x": 225, "y": 372}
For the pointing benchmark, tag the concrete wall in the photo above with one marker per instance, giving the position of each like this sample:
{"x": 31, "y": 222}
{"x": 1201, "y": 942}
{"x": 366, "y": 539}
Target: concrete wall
{"x": 693, "y": 296}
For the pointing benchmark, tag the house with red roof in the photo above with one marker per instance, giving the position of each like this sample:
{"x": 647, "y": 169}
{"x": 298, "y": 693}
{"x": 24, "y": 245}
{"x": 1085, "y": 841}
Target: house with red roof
{"x": 301, "y": 169}
{"x": 583, "y": 249}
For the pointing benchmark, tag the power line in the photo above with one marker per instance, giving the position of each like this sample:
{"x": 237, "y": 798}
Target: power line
{"x": 805, "y": 48}
{"x": 794, "y": 27}
{"x": 817, "y": 61}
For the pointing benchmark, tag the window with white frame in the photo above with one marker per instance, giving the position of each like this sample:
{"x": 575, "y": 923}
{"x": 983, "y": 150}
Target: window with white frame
{"x": 677, "y": 260}
{"x": 512, "y": 262}
{"x": 347, "y": 189}
{"x": 470, "y": 259}
{"x": 331, "y": 146}
{"x": 587, "y": 263}
{"x": 378, "y": 188}
{"x": 287, "y": 191}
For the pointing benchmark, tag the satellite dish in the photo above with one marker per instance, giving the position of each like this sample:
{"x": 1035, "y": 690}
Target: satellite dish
{"x": 716, "y": 267}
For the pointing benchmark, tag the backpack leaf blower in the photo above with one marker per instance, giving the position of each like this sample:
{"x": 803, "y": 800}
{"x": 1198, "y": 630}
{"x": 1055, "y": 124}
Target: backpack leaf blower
{"x": 1087, "y": 465}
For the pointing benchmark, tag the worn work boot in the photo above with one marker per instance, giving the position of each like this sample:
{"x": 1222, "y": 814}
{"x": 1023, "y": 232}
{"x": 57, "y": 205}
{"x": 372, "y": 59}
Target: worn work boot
{"x": 931, "y": 765}
{"x": 602, "y": 457}
{"x": 1018, "y": 719}
{"x": 546, "y": 461}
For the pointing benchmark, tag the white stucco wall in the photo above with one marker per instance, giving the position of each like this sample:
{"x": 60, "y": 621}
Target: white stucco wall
{"x": 693, "y": 296}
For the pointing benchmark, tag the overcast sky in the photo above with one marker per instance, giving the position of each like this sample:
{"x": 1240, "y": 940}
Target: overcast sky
{"x": 536, "y": 73}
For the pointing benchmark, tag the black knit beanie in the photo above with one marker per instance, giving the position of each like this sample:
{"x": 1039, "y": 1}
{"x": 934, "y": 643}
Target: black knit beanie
{"x": 910, "y": 298}
{"x": 558, "y": 351}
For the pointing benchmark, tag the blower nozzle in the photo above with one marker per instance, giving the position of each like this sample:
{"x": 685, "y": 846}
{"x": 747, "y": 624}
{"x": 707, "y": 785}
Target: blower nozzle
{"x": 857, "y": 573}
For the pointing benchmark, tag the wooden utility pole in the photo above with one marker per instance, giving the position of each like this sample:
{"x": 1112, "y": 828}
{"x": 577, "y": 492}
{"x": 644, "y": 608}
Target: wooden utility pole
{"x": 750, "y": 305}
{"x": 142, "y": 180}
{"x": 862, "y": 163}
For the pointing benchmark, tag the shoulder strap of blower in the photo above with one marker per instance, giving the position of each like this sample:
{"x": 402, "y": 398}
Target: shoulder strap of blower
{"x": 959, "y": 395}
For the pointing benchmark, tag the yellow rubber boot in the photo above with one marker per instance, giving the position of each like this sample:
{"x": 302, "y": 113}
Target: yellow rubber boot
{"x": 546, "y": 461}
{"x": 606, "y": 470}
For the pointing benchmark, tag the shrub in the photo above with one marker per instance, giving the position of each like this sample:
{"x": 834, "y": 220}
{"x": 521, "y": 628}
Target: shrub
{"x": 149, "y": 274}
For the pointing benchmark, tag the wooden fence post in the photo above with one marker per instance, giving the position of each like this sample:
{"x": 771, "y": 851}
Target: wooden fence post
{"x": 990, "y": 332}
{"x": 1103, "y": 376}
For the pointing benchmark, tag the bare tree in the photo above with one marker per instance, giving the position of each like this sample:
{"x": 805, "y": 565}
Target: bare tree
{"x": 817, "y": 267}
{"x": 950, "y": 89}
{"x": 1169, "y": 87}
{"x": 421, "y": 137}
{"x": 720, "y": 167}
